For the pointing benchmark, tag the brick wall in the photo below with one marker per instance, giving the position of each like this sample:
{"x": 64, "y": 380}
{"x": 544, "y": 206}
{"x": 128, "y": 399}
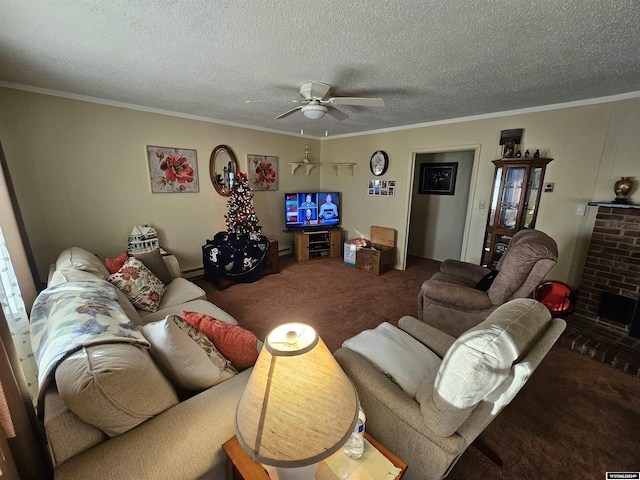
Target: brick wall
{"x": 613, "y": 261}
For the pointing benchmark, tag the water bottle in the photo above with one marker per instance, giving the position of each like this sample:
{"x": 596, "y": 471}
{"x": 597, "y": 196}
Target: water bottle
{"x": 355, "y": 445}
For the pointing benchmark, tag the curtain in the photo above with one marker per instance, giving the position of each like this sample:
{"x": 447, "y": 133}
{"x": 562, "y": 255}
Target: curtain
{"x": 22, "y": 452}
{"x": 17, "y": 319}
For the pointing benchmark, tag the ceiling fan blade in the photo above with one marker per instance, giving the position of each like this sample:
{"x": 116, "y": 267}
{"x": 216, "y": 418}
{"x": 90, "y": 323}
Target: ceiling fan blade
{"x": 311, "y": 90}
{"x": 286, "y": 114}
{"x": 365, "y": 102}
{"x": 335, "y": 113}
{"x": 272, "y": 101}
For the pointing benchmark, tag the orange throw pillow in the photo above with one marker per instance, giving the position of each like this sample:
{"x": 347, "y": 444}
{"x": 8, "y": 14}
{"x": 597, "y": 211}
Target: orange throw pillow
{"x": 115, "y": 264}
{"x": 238, "y": 345}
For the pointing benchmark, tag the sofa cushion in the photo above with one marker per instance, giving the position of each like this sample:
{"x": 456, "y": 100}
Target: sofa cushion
{"x": 67, "y": 435}
{"x": 238, "y": 345}
{"x": 154, "y": 262}
{"x": 479, "y": 361}
{"x": 202, "y": 306}
{"x": 115, "y": 264}
{"x": 113, "y": 386}
{"x": 79, "y": 259}
{"x": 187, "y": 357}
{"x": 179, "y": 291}
{"x": 140, "y": 286}
{"x": 396, "y": 354}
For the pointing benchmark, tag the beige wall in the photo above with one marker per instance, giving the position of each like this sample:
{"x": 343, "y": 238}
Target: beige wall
{"x": 80, "y": 173}
{"x": 592, "y": 147}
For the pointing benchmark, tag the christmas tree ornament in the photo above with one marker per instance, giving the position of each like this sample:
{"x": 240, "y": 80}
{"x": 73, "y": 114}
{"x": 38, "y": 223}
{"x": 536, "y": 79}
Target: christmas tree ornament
{"x": 241, "y": 218}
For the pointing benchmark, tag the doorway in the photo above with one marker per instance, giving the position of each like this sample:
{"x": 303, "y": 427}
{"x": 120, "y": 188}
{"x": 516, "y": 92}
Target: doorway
{"x": 438, "y": 220}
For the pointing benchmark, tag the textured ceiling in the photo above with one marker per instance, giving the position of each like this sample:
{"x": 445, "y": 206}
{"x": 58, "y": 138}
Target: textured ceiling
{"x": 429, "y": 60}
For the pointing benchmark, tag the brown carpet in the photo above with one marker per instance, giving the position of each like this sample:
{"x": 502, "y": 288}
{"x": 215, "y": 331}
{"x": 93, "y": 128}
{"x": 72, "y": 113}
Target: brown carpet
{"x": 575, "y": 418}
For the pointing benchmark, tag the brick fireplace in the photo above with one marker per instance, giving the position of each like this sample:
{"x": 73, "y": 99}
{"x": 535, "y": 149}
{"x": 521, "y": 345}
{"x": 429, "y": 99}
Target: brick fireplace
{"x": 609, "y": 290}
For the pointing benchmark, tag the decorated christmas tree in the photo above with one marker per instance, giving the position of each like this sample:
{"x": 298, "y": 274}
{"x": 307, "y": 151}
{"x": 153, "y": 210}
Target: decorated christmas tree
{"x": 242, "y": 216}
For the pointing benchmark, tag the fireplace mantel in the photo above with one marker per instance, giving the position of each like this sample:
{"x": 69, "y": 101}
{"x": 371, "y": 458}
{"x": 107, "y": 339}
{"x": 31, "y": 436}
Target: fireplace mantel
{"x": 613, "y": 205}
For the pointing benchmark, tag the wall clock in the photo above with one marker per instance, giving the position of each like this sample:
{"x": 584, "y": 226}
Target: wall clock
{"x": 379, "y": 163}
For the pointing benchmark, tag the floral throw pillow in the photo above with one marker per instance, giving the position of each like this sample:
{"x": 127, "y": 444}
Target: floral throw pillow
{"x": 140, "y": 286}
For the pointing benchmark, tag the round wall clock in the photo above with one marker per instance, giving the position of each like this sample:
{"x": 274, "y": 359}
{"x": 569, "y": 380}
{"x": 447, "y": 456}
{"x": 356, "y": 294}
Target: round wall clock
{"x": 379, "y": 163}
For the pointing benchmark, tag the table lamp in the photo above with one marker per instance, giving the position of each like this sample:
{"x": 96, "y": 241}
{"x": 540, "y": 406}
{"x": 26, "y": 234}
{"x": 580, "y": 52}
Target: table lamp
{"x": 298, "y": 407}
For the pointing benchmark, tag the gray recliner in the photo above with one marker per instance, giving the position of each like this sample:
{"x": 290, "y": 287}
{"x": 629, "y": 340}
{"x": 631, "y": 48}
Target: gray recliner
{"x": 477, "y": 375}
{"x": 451, "y": 301}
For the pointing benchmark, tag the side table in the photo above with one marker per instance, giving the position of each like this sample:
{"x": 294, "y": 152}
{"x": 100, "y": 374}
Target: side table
{"x": 241, "y": 467}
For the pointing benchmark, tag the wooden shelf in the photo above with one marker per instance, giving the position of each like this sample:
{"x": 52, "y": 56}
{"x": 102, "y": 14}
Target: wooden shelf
{"x": 337, "y": 166}
{"x": 295, "y": 165}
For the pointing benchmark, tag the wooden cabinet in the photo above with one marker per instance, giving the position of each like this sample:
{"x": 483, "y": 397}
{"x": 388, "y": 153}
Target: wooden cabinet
{"x": 317, "y": 245}
{"x": 517, "y": 185}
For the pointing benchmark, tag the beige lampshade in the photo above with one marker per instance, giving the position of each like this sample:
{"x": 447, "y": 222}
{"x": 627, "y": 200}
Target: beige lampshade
{"x": 298, "y": 407}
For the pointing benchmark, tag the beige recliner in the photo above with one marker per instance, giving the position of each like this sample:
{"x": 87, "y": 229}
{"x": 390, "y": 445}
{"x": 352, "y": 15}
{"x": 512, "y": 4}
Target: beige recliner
{"x": 473, "y": 379}
{"x": 453, "y": 300}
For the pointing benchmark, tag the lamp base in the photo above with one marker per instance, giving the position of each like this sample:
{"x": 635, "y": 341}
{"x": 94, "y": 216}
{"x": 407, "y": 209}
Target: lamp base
{"x": 298, "y": 473}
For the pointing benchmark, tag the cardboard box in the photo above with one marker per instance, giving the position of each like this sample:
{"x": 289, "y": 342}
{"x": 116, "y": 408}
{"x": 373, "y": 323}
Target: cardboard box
{"x": 350, "y": 249}
{"x": 380, "y": 256}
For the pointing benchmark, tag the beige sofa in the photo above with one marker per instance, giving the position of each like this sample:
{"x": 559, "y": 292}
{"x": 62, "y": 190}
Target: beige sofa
{"x": 183, "y": 441}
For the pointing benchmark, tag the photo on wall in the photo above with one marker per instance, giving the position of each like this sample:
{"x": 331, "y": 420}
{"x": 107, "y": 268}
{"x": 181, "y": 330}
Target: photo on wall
{"x": 381, "y": 188}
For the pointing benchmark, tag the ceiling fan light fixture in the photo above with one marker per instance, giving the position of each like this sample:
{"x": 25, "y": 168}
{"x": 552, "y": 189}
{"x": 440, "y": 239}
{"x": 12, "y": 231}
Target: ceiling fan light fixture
{"x": 314, "y": 111}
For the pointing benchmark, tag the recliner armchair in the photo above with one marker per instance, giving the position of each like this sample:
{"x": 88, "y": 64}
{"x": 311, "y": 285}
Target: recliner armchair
{"x": 453, "y": 301}
{"x": 477, "y": 376}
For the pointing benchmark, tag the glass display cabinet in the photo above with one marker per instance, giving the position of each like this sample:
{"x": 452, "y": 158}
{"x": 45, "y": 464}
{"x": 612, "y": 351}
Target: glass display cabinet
{"x": 515, "y": 197}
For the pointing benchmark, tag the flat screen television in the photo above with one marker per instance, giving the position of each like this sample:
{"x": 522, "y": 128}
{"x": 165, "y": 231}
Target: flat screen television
{"x": 312, "y": 210}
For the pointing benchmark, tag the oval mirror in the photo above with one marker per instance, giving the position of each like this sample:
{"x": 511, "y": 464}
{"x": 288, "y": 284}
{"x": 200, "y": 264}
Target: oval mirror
{"x": 223, "y": 167}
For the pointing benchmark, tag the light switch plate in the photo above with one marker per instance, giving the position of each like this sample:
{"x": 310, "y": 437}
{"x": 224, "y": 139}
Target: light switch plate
{"x": 548, "y": 186}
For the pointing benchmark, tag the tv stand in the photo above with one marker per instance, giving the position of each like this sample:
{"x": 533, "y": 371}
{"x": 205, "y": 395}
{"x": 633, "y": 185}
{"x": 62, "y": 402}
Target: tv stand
{"x": 312, "y": 245}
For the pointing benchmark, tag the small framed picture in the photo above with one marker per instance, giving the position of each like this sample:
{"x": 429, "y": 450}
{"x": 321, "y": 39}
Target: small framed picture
{"x": 438, "y": 178}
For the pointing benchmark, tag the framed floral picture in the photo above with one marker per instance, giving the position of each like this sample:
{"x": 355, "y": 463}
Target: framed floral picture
{"x": 263, "y": 172}
{"x": 173, "y": 170}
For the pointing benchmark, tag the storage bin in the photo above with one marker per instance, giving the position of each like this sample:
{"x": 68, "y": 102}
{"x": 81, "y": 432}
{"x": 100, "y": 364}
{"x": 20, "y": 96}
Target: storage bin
{"x": 350, "y": 249}
{"x": 379, "y": 256}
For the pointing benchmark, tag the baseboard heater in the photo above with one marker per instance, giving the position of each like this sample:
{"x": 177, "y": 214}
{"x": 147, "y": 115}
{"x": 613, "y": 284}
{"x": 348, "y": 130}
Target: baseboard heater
{"x": 193, "y": 273}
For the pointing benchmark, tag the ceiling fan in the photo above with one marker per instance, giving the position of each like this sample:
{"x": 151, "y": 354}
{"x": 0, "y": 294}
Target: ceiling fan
{"x": 315, "y": 106}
